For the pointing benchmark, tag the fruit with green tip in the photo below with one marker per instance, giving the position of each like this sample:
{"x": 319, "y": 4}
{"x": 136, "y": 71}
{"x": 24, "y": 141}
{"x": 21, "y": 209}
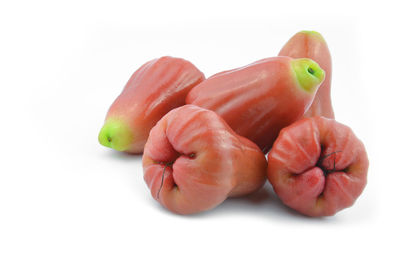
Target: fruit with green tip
{"x": 153, "y": 90}
{"x": 311, "y": 44}
{"x": 260, "y": 99}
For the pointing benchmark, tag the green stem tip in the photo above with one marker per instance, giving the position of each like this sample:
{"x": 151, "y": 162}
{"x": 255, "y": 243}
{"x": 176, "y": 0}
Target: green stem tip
{"x": 308, "y": 73}
{"x": 116, "y": 134}
{"x": 314, "y": 34}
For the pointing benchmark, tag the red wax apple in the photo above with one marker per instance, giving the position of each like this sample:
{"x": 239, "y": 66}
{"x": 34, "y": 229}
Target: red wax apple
{"x": 311, "y": 44}
{"x": 193, "y": 161}
{"x": 154, "y": 89}
{"x": 317, "y": 166}
{"x": 259, "y": 99}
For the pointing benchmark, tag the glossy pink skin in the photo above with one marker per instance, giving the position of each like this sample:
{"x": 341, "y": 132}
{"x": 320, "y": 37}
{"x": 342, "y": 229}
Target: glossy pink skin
{"x": 306, "y": 181}
{"x": 313, "y": 46}
{"x": 256, "y": 100}
{"x": 152, "y": 91}
{"x": 224, "y": 164}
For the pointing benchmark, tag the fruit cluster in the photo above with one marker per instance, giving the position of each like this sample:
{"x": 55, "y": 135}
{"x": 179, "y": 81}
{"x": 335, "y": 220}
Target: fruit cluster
{"x": 204, "y": 140}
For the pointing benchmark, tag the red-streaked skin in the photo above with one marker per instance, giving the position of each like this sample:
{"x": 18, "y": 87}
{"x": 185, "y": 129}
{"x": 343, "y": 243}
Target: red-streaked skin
{"x": 317, "y": 166}
{"x": 152, "y": 91}
{"x": 256, "y": 100}
{"x": 210, "y": 162}
{"x": 310, "y": 44}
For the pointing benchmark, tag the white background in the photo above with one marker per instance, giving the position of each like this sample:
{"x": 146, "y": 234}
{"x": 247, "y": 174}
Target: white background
{"x": 65, "y": 199}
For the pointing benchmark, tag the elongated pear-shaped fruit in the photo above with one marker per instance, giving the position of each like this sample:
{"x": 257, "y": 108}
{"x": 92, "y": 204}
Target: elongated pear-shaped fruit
{"x": 193, "y": 161}
{"x": 310, "y": 44}
{"x": 153, "y": 90}
{"x": 260, "y": 99}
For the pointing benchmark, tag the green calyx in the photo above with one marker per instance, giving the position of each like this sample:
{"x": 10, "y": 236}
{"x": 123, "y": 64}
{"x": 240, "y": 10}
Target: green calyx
{"x": 313, "y": 34}
{"x": 116, "y": 134}
{"x": 308, "y": 73}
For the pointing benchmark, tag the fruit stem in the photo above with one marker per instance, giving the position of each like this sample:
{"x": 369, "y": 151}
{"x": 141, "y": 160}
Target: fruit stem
{"x": 116, "y": 134}
{"x": 308, "y": 73}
